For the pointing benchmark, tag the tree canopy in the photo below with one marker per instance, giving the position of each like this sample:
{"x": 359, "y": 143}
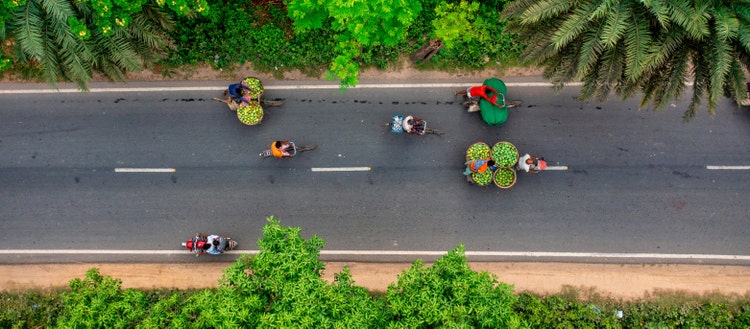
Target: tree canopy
{"x": 358, "y": 24}
{"x": 71, "y": 39}
{"x": 653, "y": 46}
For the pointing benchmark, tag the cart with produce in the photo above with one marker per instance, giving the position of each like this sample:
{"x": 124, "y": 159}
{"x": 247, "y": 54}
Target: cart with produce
{"x": 505, "y": 155}
{"x": 250, "y": 107}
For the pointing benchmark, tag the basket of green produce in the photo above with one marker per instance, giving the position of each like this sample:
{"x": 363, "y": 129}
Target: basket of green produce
{"x": 250, "y": 113}
{"x": 504, "y": 177}
{"x": 255, "y": 87}
{"x": 504, "y": 154}
{"x": 477, "y": 151}
{"x": 482, "y": 178}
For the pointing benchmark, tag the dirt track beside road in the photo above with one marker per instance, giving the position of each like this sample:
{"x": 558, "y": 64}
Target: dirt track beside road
{"x": 625, "y": 282}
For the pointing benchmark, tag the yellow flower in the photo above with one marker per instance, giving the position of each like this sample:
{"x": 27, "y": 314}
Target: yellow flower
{"x": 82, "y": 33}
{"x": 120, "y": 22}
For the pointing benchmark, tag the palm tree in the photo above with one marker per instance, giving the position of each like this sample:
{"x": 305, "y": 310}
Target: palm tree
{"x": 66, "y": 41}
{"x": 652, "y": 46}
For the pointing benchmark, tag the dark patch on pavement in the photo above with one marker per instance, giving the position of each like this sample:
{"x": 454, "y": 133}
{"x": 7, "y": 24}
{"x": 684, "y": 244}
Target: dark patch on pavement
{"x": 681, "y": 174}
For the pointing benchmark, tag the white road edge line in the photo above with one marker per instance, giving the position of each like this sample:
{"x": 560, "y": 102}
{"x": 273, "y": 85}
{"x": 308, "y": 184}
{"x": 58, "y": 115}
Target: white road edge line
{"x": 728, "y": 167}
{"x": 332, "y": 169}
{"x": 556, "y": 168}
{"x": 284, "y": 87}
{"x": 145, "y": 170}
{"x": 535, "y": 254}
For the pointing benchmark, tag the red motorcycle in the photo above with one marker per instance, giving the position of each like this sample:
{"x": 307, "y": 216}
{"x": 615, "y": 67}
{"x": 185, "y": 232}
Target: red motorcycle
{"x": 211, "y": 244}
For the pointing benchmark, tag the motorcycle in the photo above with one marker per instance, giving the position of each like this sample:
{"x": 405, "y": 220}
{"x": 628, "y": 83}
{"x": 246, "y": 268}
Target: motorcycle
{"x": 285, "y": 149}
{"x": 204, "y": 244}
{"x": 411, "y": 125}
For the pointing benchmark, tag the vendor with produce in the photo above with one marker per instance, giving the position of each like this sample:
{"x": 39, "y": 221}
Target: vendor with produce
{"x": 240, "y": 91}
{"x": 480, "y": 165}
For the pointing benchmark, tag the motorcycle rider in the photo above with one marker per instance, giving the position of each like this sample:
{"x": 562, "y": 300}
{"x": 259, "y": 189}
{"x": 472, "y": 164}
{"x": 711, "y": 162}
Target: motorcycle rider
{"x": 282, "y": 149}
{"x": 531, "y": 164}
{"x": 414, "y": 125}
{"x": 214, "y": 242}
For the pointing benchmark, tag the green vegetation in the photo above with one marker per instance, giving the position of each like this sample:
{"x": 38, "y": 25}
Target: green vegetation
{"x": 282, "y": 287}
{"x": 67, "y": 40}
{"x": 650, "y": 46}
{"x": 59, "y": 40}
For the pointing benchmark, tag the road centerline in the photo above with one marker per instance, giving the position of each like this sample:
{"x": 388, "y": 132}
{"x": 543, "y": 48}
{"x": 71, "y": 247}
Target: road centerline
{"x": 339, "y": 169}
{"x": 144, "y": 170}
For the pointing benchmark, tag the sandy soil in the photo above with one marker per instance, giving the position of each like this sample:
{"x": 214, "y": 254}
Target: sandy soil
{"x": 626, "y": 282}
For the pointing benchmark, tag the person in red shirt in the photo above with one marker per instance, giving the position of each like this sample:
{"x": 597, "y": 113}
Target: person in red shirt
{"x": 480, "y": 91}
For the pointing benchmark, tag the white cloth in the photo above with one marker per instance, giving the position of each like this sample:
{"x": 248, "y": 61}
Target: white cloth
{"x": 406, "y": 124}
{"x": 213, "y": 249}
{"x": 522, "y": 162}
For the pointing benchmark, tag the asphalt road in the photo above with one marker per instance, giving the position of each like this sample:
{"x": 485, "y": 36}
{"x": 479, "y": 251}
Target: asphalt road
{"x": 639, "y": 182}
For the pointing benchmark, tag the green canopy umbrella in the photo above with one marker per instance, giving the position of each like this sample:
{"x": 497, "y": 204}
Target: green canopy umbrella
{"x": 491, "y": 114}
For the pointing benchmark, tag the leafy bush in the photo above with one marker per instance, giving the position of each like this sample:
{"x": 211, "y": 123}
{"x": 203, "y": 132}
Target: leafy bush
{"x": 29, "y": 309}
{"x": 450, "y": 294}
{"x": 98, "y": 301}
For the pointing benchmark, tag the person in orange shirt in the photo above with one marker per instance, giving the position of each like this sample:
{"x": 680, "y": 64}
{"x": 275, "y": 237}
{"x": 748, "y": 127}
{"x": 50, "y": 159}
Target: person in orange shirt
{"x": 480, "y": 166}
{"x": 282, "y": 149}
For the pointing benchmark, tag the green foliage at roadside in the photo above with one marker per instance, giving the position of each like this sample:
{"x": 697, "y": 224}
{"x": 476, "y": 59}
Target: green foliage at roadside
{"x": 318, "y": 37}
{"x": 281, "y": 287}
{"x": 450, "y": 294}
{"x": 335, "y": 37}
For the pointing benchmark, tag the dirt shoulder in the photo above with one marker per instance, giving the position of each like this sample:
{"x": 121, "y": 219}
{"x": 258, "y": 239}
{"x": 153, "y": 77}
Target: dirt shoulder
{"x": 626, "y": 282}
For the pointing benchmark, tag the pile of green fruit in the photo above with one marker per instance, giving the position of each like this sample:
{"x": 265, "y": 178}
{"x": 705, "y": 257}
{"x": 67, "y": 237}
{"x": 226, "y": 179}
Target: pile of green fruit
{"x": 478, "y": 151}
{"x": 505, "y": 154}
{"x": 256, "y": 87}
{"x": 482, "y": 178}
{"x": 505, "y": 177}
{"x": 250, "y": 113}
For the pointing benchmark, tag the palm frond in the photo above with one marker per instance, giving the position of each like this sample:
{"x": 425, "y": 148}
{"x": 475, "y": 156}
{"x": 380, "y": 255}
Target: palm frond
{"x": 721, "y": 59}
{"x": 693, "y": 20}
{"x": 543, "y": 10}
{"x": 701, "y": 82}
{"x": 573, "y": 26}
{"x": 662, "y": 47}
{"x": 735, "y": 84}
{"x": 725, "y": 24}
{"x": 637, "y": 41}
{"x": 613, "y": 63}
{"x": 590, "y": 52}
{"x": 660, "y": 11}
{"x": 30, "y": 30}
{"x": 615, "y": 24}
